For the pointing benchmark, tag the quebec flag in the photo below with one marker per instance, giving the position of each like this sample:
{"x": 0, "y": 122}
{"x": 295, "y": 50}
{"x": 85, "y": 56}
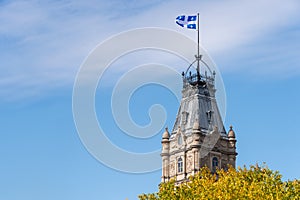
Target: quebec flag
{"x": 187, "y": 21}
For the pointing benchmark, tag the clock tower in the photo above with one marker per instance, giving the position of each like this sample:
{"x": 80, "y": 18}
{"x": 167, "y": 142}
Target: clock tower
{"x": 198, "y": 137}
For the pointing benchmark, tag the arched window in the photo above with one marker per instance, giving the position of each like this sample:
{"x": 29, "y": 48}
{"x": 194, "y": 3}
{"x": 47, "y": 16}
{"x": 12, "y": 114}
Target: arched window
{"x": 215, "y": 164}
{"x": 180, "y": 165}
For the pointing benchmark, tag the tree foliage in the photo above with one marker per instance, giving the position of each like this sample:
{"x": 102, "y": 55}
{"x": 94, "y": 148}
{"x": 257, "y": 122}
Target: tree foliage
{"x": 253, "y": 183}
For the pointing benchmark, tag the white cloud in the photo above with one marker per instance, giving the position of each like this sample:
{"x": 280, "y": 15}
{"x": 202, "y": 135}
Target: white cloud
{"x": 44, "y": 43}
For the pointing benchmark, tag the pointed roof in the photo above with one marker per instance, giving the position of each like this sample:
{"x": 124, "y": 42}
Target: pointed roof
{"x": 166, "y": 134}
{"x": 198, "y": 105}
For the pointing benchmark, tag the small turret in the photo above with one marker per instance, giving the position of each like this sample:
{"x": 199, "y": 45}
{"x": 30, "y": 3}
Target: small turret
{"x": 232, "y": 146}
{"x": 165, "y": 142}
{"x": 232, "y": 140}
{"x": 165, "y": 155}
{"x": 166, "y": 134}
{"x": 231, "y": 133}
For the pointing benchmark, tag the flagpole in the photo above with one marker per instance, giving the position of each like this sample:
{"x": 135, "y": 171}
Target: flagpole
{"x": 198, "y": 54}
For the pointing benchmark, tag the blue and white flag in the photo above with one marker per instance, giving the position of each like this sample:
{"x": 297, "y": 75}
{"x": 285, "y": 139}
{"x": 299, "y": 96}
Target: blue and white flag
{"x": 187, "y": 21}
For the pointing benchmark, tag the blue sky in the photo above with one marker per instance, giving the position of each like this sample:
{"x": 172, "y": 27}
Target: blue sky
{"x": 43, "y": 44}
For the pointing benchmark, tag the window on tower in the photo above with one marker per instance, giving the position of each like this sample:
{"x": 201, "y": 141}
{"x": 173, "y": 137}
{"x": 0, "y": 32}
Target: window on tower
{"x": 179, "y": 140}
{"x": 180, "y": 165}
{"x": 215, "y": 164}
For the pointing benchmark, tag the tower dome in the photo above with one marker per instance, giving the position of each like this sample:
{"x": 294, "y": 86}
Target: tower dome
{"x": 166, "y": 134}
{"x": 231, "y": 133}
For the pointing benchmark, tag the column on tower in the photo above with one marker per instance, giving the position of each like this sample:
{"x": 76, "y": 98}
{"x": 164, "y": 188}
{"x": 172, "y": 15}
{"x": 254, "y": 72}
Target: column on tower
{"x": 165, "y": 156}
{"x": 232, "y": 147}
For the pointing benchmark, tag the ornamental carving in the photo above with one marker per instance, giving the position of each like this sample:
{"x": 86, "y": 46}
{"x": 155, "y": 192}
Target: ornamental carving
{"x": 173, "y": 145}
{"x": 189, "y": 140}
{"x": 189, "y": 164}
{"x": 172, "y": 169}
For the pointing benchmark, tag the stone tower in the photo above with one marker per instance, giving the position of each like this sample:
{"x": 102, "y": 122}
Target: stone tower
{"x": 198, "y": 137}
